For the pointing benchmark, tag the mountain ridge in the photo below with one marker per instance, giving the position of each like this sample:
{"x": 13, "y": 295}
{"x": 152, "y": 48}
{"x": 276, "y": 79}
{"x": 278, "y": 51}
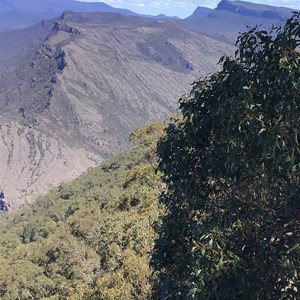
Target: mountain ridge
{"x": 231, "y": 17}
{"x": 16, "y": 14}
{"x": 75, "y": 86}
{"x": 87, "y": 83}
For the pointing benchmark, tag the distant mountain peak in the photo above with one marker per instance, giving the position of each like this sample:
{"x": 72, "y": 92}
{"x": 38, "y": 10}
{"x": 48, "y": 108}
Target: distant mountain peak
{"x": 231, "y": 17}
{"x": 199, "y": 12}
{"x": 162, "y": 16}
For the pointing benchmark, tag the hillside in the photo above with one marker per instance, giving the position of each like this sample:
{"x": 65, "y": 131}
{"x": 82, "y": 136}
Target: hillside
{"x": 72, "y": 90}
{"x": 90, "y": 238}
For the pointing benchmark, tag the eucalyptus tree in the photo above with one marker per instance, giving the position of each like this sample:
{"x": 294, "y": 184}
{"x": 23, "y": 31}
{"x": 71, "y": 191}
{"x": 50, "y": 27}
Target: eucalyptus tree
{"x": 232, "y": 171}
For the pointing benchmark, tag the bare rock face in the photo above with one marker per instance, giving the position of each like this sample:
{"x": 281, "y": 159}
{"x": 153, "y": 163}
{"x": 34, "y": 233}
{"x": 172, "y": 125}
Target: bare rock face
{"x": 59, "y": 26}
{"x": 33, "y": 162}
{"x": 74, "y": 100}
{"x": 3, "y": 205}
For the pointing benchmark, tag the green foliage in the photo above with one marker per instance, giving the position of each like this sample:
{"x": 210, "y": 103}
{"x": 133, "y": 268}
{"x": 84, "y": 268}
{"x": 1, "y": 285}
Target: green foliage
{"x": 90, "y": 238}
{"x": 232, "y": 170}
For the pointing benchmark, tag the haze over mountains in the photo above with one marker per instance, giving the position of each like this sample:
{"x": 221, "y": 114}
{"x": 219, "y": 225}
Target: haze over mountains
{"x": 16, "y": 14}
{"x": 73, "y": 87}
{"x": 231, "y": 17}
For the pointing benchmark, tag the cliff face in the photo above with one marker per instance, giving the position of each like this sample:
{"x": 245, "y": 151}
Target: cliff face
{"x": 231, "y": 17}
{"x": 71, "y": 100}
{"x": 253, "y": 10}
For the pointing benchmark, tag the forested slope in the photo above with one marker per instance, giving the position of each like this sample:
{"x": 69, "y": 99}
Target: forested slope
{"x": 90, "y": 238}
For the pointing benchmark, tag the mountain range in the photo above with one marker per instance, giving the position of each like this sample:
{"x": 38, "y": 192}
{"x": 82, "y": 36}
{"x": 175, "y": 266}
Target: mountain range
{"x": 73, "y": 87}
{"x": 231, "y": 17}
{"x": 16, "y": 14}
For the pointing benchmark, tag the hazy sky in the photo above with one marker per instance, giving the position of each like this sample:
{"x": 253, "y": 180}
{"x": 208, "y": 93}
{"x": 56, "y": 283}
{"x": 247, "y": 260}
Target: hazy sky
{"x": 181, "y": 8}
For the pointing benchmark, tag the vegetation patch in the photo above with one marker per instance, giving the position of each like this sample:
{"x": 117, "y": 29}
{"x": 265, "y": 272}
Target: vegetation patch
{"x": 91, "y": 238}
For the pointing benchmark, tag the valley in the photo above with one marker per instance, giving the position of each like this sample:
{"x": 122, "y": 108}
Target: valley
{"x": 78, "y": 84}
{"x": 83, "y": 85}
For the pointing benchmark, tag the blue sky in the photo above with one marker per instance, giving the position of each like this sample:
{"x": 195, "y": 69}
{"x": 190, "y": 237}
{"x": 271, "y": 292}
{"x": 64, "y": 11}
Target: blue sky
{"x": 181, "y": 8}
